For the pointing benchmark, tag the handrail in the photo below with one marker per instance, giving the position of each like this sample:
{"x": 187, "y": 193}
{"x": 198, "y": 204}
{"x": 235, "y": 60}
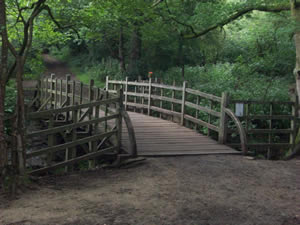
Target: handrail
{"x": 131, "y": 134}
{"x": 243, "y": 137}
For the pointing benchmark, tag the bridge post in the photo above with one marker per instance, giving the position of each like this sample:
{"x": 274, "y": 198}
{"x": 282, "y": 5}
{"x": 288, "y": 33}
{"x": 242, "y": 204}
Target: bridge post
{"x": 223, "y": 119}
{"x": 107, "y": 83}
{"x": 119, "y": 121}
{"x": 52, "y": 89}
{"x": 149, "y": 97}
{"x": 126, "y": 90}
{"x": 68, "y": 78}
{"x": 183, "y": 102}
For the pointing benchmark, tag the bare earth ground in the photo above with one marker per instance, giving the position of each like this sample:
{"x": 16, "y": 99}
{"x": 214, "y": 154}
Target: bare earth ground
{"x": 195, "y": 190}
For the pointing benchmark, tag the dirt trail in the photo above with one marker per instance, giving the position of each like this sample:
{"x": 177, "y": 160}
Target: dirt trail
{"x": 60, "y": 69}
{"x": 196, "y": 190}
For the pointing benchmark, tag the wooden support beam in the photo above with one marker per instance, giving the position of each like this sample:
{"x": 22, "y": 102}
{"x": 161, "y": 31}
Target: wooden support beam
{"x": 149, "y": 96}
{"x": 183, "y": 103}
{"x": 223, "y": 120}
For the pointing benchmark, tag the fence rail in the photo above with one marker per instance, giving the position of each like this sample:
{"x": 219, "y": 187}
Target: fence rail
{"x": 88, "y": 120}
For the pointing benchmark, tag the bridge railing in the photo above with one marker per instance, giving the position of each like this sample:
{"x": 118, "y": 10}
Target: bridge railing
{"x": 189, "y": 107}
{"x": 218, "y": 116}
{"x": 271, "y": 126}
{"x": 83, "y": 122}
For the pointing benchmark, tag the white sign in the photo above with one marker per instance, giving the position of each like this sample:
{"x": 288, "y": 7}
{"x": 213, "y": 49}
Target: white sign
{"x": 239, "y": 109}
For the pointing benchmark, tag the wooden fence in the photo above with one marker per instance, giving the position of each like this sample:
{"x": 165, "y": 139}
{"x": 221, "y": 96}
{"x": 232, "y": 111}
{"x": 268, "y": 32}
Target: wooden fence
{"x": 214, "y": 115}
{"x": 88, "y": 120}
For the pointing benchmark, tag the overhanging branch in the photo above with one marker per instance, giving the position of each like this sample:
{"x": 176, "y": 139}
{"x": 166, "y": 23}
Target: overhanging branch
{"x": 235, "y": 16}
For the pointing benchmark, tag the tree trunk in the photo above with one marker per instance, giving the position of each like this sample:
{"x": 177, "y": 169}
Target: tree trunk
{"x": 3, "y": 143}
{"x": 121, "y": 51}
{"x": 135, "y": 54}
{"x": 3, "y": 79}
{"x": 295, "y": 9}
{"x": 20, "y": 111}
{"x": 181, "y": 56}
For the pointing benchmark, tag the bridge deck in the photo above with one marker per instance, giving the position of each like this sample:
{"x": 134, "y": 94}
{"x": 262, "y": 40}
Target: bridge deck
{"x": 157, "y": 137}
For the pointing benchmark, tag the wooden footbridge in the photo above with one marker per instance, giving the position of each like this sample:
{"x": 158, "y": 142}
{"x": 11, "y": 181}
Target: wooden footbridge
{"x": 84, "y": 122}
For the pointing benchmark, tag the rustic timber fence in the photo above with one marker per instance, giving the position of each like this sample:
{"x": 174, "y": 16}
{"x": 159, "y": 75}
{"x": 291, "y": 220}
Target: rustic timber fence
{"x": 217, "y": 116}
{"x": 88, "y": 120}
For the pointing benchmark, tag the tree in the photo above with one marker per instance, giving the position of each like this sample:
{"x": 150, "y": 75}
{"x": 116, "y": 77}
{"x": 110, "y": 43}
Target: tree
{"x": 22, "y": 14}
{"x": 216, "y": 14}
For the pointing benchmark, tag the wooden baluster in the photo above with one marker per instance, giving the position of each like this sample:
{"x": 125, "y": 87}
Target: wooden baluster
{"x": 143, "y": 99}
{"x": 270, "y": 133}
{"x": 52, "y": 90}
{"x": 223, "y": 119}
{"x": 56, "y": 94}
{"x": 107, "y": 83}
{"x": 73, "y": 92}
{"x": 97, "y": 108}
{"x": 61, "y": 93}
{"x": 161, "y": 102}
{"x": 173, "y": 97}
{"x": 51, "y": 140}
{"x": 149, "y": 97}
{"x": 80, "y": 97}
{"x": 119, "y": 120}
{"x": 126, "y": 92}
{"x": 68, "y": 79}
{"x": 209, "y": 117}
{"x": 106, "y": 111}
{"x": 197, "y": 112}
{"x": 91, "y": 98}
{"x": 183, "y": 103}
{"x": 42, "y": 91}
{"x": 134, "y": 99}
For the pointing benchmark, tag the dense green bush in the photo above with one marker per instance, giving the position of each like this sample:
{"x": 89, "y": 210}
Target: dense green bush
{"x": 236, "y": 79}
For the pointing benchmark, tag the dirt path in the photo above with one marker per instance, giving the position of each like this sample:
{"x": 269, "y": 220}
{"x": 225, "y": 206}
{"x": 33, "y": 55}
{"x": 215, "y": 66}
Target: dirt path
{"x": 60, "y": 69}
{"x": 196, "y": 190}
{"x": 202, "y": 190}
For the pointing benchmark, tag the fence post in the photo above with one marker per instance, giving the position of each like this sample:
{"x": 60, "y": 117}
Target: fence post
{"x": 56, "y": 93}
{"x": 52, "y": 90}
{"x": 106, "y": 110}
{"x": 126, "y": 90}
{"x": 107, "y": 83}
{"x": 61, "y": 93}
{"x": 68, "y": 78}
{"x": 223, "y": 120}
{"x": 91, "y": 98}
{"x": 73, "y": 92}
{"x": 293, "y": 121}
{"x": 183, "y": 102}
{"x": 149, "y": 97}
{"x": 39, "y": 93}
{"x": 119, "y": 121}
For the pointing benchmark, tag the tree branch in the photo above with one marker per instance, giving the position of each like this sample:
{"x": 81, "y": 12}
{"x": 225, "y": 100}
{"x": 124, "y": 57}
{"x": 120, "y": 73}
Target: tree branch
{"x": 235, "y": 16}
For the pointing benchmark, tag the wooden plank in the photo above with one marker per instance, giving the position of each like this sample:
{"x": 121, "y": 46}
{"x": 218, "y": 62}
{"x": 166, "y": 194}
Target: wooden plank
{"x": 69, "y": 144}
{"x": 203, "y": 109}
{"x": 35, "y": 115}
{"x": 204, "y": 95}
{"x": 72, "y": 161}
{"x": 201, "y": 123}
{"x": 182, "y": 153}
{"x": 169, "y": 87}
{"x": 262, "y": 102}
{"x": 70, "y": 126}
{"x": 268, "y": 117}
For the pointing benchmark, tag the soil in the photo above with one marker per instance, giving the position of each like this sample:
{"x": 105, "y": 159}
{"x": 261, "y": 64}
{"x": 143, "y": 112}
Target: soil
{"x": 194, "y": 190}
